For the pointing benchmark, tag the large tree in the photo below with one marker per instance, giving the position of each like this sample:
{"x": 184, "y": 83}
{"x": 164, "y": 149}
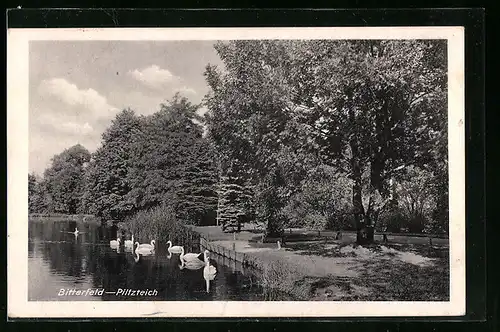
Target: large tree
{"x": 171, "y": 158}
{"x": 368, "y": 108}
{"x": 385, "y": 101}
{"x": 64, "y": 180}
{"x": 107, "y": 182}
{"x": 36, "y": 202}
{"x": 249, "y": 124}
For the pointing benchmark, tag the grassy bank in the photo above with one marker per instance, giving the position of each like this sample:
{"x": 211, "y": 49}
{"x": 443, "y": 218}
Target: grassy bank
{"x": 341, "y": 270}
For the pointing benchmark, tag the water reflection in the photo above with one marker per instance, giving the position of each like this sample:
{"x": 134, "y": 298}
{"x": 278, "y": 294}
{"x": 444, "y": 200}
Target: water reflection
{"x": 60, "y": 260}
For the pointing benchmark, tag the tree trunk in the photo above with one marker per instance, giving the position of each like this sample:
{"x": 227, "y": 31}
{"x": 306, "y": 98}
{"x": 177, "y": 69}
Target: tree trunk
{"x": 357, "y": 198}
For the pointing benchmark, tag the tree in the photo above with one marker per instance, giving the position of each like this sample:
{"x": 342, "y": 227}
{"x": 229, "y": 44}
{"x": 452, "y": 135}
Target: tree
{"x": 416, "y": 199}
{"x": 196, "y": 189}
{"x": 35, "y": 195}
{"x": 369, "y": 108}
{"x": 107, "y": 182}
{"x": 250, "y": 126}
{"x": 64, "y": 180}
{"x": 382, "y": 102}
{"x": 171, "y": 158}
{"x": 324, "y": 200}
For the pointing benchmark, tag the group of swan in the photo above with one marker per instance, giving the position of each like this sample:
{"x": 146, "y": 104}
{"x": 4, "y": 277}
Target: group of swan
{"x": 191, "y": 261}
{"x": 142, "y": 249}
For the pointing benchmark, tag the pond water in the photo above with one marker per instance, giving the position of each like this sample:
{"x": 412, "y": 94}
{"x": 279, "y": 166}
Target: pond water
{"x": 60, "y": 264}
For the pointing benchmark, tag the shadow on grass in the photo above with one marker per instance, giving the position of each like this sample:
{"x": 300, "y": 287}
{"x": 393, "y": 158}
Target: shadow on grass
{"x": 391, "y": 280}
{"x": 319, "y": 248}
{"x": 382, "y": 278}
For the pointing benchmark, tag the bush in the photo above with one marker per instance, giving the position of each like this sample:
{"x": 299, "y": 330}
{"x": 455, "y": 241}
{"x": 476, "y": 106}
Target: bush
{"x": 156, "y": 223}
{"x": 323, "y": 201}
{"x": 279, "y": 277}
{"x": 391, "y": 221}
{"x": 416, "y": 199}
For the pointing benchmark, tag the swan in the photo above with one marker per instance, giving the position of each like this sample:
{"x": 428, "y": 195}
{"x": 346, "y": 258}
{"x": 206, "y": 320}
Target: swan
{"x": 188, "y": 257}
{"x": 279, "y": 245}
{"x": 209, "y": 271}
{"x": 76, "y": 231}
{"x": 114, "y": 243}
{"x": 174, "y": 249}
{"x": 147, "y": 245}
{"x": 143, "y": 250}
{"x": 129, "y": 243}
{"x": 195, "y": 264}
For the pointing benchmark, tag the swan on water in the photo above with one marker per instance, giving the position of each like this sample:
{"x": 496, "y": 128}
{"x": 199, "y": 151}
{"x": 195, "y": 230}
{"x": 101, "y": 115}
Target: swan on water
{"x": 174, "y": 249}
{"x": 136, "y": 256}
{"x": 188, "y": 257}
{"x": 279, "y": 245}
{"x": 194, "y": 264}
{"x": 129, "y": 243}
{"x": 143, "y": 250}
{"x": 76, "y": 231}
{"x": 114, "y": 243}
{"x": 147, "y": 245}
{"x": 209, "y": 271}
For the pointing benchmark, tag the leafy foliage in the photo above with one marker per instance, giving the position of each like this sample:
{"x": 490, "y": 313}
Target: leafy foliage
{"x": 36, "y": 202}
{"x": 171, "y": 158}
{"x": 323, "y": 201}
{"x": 369, "y": 108}
{"x": 64, "y": 180}
{"x": 107, "y": 182}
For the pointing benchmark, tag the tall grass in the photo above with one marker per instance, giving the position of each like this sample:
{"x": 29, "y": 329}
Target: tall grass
{"x": 280, "y": 280}
{"x": 159, "y": 223}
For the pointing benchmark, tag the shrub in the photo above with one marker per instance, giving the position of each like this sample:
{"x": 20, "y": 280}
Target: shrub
{"x": 156, "y": 223}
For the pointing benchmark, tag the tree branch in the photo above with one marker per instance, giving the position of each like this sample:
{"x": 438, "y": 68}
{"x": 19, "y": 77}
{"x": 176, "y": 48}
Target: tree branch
{"x": 418, "y": 97}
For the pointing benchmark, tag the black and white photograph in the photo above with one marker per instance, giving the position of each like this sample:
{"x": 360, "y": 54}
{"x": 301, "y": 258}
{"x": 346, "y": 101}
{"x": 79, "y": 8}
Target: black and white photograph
{"x": 236, "y": 172}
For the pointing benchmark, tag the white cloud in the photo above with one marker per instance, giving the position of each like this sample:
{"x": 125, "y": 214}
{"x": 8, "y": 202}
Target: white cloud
{"x": 153, "y": 76}
{"x": 44, "y": 121}
{"x": 185, "y": 90}
{"x": 76, "y": 128}
{"x": 71, "y": 95}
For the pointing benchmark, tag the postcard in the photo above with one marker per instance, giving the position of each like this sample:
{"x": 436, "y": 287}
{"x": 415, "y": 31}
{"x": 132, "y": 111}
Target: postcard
{"x": 236, "y": 172}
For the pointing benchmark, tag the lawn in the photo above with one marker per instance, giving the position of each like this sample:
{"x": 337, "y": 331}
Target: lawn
{"x": 380, "y": 272}
{"x": 313, "y": 268}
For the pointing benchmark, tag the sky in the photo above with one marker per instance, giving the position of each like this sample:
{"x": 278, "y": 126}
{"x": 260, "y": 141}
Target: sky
{"x": 78, "y": 87}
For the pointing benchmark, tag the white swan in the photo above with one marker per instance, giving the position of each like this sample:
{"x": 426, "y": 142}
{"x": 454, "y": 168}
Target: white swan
{"x": 114, "y": 243}
{"x": 174, "y": 249}
{"x": 129, "y": 243}
{"x": 143, "y": 250}
{"x": 209, "y": 271}
{"x": 76, "y": 231}
{"x": 188, "y": 257}
{"x": 194, "y": 264}
{"x": 147, "y": 245}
